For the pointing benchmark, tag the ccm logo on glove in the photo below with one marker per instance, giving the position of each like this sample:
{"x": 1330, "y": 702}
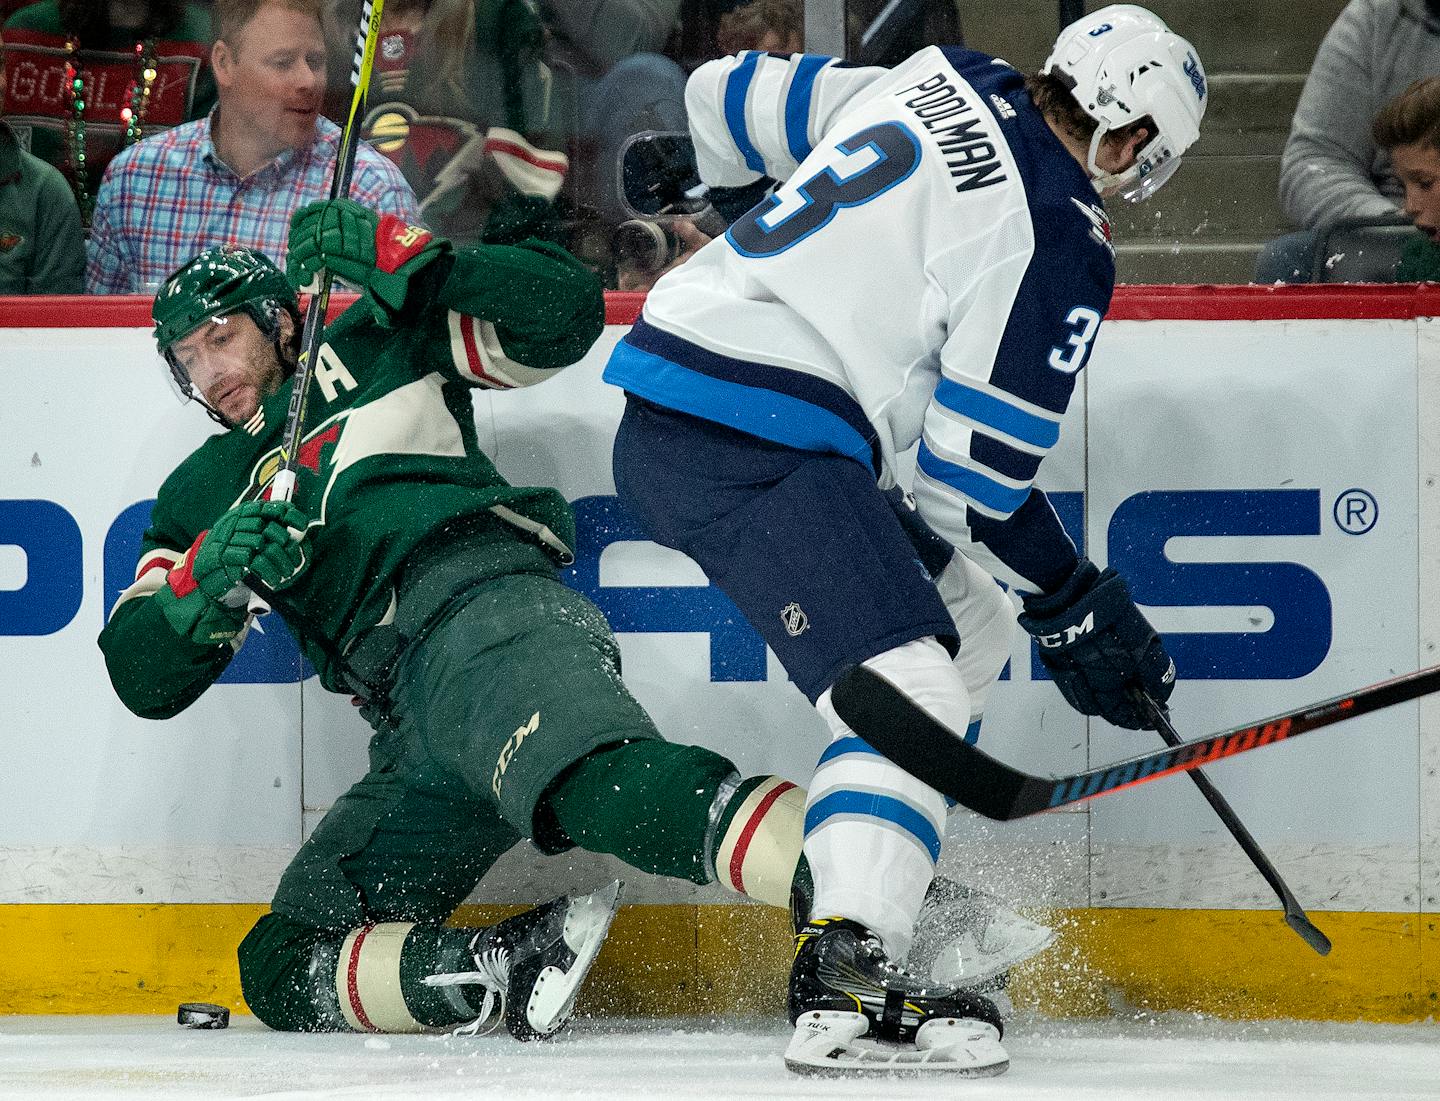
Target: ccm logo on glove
{"x": 1069, "y": 634}
{"x": 1099, "y": 648}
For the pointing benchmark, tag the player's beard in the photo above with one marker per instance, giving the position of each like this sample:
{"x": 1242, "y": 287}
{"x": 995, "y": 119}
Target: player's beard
{"x": 262, "y": 377}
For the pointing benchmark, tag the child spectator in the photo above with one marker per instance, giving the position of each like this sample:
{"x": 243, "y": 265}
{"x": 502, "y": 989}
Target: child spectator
{"x": 1331, "y": 168}
{"x": 1408, "y": 129}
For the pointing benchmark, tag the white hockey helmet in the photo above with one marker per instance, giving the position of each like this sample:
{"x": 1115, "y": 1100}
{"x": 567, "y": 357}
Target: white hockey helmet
{"x": 1122, "y": 64}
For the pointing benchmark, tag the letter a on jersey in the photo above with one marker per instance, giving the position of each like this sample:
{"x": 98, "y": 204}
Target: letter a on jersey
{"x": 331, "y": 370}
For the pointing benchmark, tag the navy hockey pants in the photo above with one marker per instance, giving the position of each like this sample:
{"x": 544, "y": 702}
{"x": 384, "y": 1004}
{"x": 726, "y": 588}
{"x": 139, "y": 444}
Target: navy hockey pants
{"x": 827, "y": 567}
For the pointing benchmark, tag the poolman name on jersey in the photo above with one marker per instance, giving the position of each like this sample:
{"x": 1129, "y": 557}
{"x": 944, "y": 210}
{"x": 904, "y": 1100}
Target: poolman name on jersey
{"x": 957, "y": 125}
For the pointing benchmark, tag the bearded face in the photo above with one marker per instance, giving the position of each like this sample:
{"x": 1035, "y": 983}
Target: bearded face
{"x": 232, "y": 365}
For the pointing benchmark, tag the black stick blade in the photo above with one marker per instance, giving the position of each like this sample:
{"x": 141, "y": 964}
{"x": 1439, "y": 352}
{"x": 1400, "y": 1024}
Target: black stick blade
{"x": 1307, "y": 931}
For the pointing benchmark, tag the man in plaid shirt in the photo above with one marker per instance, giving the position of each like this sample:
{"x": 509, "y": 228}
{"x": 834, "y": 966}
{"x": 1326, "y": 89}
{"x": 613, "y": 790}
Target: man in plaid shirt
{"x": 236, "y": 177}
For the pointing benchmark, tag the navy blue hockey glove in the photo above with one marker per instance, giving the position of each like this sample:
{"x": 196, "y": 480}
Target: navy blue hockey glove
{"x": 1099, "y": 648}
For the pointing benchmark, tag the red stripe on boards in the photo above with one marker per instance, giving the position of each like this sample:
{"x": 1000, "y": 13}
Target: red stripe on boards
{"x": 1132, "y": 302}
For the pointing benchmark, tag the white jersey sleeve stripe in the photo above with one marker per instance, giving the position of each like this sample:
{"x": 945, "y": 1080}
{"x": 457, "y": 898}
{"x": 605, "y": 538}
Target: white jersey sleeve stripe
{"x": 995, "y": 498}
{"x": 160, "y": 556}
{"x": 477, "y": 355}
{"x": 985, "y": 454}
{"x": 147, "y": 584}
{"x": 955, "y": 423}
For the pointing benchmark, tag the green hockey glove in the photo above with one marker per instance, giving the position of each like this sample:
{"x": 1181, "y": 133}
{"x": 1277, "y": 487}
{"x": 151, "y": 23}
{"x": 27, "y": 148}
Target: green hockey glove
{"x": 202, "y": 598}
{"x": 378, "y": 253}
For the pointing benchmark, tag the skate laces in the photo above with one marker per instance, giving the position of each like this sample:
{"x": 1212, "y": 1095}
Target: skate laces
{"x": 492, "y": 971}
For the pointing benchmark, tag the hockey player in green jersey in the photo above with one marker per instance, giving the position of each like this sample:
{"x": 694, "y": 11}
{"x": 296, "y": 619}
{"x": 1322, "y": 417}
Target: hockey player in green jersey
{"x": 420, "y": 582}
{"x": 417, "y": 580}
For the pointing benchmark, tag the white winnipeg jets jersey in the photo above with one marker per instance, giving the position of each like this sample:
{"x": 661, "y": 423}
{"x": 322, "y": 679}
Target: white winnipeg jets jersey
{"x": 934, "y": 268}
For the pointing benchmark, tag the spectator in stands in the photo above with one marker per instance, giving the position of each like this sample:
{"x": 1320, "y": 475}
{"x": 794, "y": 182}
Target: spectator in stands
{"x": 1332, "y": 168}
{"x": 594, "y": 36}
{"x": 462, "y": 102}
{"x": 41, "y": 247}
{"x": 775, "y": 26}
{"x": 625, "y": 94}
{"x": 237, "y": 176}
{"x": 612, "y": 52}
{"x": 1408, "y": 129}
{"x": 89, "y": 78}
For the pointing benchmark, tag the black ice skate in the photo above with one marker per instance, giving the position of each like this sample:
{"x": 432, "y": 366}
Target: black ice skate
{"x": 963, "y": 936}
{"x": 857, "y": 1012}
{"x": 531, "y": 965}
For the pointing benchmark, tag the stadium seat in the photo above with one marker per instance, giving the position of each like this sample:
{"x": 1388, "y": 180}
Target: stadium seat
{"x": 1360, "y": 250}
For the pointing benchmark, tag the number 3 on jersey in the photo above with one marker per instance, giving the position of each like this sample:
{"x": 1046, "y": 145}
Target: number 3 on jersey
{"x": 1071, "y": 357}
{"x": 871, "y": 162}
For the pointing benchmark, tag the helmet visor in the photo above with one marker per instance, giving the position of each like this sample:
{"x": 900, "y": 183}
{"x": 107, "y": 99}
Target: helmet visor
{"x": 1154, "y": 165}
{"x": 1150, "y": 178}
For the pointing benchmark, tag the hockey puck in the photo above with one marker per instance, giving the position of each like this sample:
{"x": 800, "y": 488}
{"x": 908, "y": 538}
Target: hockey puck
{"x": 203, "y": 1015}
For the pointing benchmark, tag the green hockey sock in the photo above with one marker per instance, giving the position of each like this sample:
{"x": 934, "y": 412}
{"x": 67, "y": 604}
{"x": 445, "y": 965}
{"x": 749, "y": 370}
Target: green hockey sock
{"x": 646, "y": 801}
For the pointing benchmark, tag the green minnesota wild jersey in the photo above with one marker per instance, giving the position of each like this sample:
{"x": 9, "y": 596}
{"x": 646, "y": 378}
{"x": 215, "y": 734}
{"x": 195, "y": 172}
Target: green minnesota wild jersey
{"x": 389, "y": 460}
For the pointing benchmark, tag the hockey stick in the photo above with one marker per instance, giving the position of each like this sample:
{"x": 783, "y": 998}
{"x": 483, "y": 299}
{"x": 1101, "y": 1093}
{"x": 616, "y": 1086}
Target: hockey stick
{"x": 936, "y": 755}
{"x": 1295, "y": 915}
{"x": 282, "y": 488}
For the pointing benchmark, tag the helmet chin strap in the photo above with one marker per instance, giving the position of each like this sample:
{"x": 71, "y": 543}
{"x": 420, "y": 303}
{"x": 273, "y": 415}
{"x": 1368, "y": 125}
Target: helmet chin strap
{"x": 1107, "y": 182}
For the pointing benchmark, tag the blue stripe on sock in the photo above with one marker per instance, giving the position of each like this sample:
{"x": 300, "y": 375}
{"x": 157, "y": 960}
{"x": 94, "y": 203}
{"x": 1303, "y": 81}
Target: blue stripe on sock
{"x": 885, "y": 807}
{"x": 841, "y": 746}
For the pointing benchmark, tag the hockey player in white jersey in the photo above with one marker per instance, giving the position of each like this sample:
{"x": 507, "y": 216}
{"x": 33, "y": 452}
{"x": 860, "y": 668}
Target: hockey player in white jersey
{"x": 934, "y": 268}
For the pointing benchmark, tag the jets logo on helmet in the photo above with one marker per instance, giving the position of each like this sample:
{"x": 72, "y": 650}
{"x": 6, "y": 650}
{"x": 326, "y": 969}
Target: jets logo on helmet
{"x": 1124, "y": 65}
{"x": 1197, "y": 77}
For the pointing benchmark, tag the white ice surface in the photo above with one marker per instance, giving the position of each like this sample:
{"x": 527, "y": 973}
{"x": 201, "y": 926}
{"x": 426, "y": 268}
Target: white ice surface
{"x": 1156, "y": 1058}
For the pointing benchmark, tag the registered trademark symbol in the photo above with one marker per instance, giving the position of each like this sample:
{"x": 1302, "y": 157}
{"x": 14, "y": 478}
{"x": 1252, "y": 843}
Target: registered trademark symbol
{"x": 1356, "y": 511}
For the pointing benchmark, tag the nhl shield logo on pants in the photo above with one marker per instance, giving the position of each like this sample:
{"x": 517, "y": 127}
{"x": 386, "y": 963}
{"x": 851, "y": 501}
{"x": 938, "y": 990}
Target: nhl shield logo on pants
{"x": 794, "y": 618}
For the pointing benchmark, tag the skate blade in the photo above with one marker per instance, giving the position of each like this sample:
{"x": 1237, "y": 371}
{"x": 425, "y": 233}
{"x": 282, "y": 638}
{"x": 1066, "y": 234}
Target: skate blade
{"x": 965, "y": 963}
{"x": 828, "y": 1045}
{"x": 587, "y": 922}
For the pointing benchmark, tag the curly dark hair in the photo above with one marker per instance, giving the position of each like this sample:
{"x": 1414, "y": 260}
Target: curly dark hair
{"x": 89, "y": 20}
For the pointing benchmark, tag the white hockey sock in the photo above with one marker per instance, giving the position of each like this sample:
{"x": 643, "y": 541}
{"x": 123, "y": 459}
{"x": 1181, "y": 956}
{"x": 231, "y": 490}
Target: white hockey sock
{"x": 872, "y": 831}
{"x": 985, "y": 624}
